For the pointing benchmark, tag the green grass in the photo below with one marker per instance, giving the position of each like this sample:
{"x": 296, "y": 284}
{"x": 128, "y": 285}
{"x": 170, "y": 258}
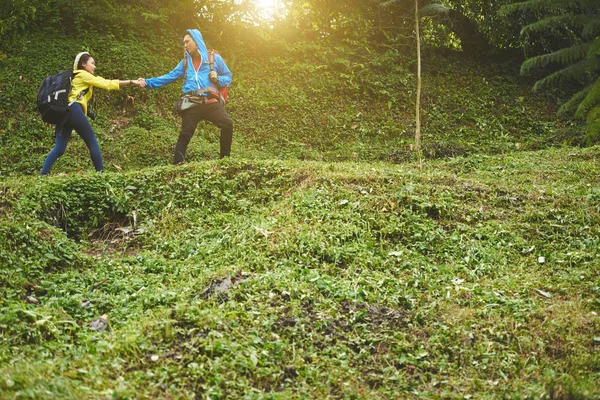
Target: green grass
{"x": 473, "y": 277}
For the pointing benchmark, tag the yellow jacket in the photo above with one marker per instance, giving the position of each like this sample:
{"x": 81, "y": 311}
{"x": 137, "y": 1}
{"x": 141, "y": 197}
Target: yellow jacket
{"x": 84, "y": 80}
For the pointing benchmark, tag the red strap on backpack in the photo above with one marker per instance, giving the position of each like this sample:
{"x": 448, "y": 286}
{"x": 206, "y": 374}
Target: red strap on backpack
{"x": 222, "y": 90}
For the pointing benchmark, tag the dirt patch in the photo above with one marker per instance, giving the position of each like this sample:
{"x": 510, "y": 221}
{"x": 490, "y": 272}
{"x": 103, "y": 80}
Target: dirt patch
{"x": 220, "y": 288}
{"x": 112, "y": 247}
{"x": 381, "y": 315}
{"x": 286, "y": 322}
{"x": 377, "y": 315}
{"x": 340, "y": 326}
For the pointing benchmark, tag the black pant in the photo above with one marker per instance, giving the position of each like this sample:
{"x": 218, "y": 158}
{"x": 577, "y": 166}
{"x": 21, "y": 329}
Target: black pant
{"x": 213, "y": 112}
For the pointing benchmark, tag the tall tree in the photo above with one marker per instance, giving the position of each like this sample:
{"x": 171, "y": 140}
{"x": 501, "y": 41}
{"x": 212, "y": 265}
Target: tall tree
{"x": 418, "y": 98}
{"x": 574, "y": 55}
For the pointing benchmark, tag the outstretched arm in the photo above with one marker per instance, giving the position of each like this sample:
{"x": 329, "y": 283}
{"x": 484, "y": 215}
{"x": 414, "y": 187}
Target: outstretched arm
{"x": 108, "y": 84}
{"x": 163, "y": 80}
{"x": 99, "y": 82}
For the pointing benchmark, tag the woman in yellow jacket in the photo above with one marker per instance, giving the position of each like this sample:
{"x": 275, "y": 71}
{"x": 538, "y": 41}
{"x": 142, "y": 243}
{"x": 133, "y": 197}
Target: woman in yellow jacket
{"x": 82, "y": 89}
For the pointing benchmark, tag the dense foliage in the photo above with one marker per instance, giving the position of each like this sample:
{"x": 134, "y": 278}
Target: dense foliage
{"x": 571, "y": 34}
{"x": 285, "y": 280}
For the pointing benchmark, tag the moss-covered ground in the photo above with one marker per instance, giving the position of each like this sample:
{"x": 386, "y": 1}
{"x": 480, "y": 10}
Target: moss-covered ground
{"x": 471, "y": 277}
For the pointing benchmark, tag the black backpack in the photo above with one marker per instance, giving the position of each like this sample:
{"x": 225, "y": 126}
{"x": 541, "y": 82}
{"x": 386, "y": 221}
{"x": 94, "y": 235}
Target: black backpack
{"x": 53, "y": 97}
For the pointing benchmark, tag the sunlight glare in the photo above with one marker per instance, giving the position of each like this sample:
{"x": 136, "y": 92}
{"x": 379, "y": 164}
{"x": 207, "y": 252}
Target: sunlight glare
{"x": 269, "y": 9}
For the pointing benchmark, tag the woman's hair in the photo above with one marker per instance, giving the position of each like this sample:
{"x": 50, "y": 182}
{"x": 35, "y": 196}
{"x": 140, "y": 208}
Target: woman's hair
{"x": 84, "y": 58}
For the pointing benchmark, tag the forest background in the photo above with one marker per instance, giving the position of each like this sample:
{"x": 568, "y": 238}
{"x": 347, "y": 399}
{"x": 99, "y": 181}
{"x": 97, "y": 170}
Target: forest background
{"x": 338, "y": 78}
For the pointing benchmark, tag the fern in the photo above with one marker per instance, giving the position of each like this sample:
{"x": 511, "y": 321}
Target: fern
{"x": 580, "y": 61}
{"x": 574, "y": 101}
{"x": 577, "y": 70}
{"x": 545, "y": 5}
{"x": 562, "y": 57}
{"x": 588, "y": 25}
{"x": 594, "y": 49}
{"x": 549, "y": 22}
{"x": 593, "y": 125}
{"x": 591, "y": 28}
{"x": 590, "y": 100}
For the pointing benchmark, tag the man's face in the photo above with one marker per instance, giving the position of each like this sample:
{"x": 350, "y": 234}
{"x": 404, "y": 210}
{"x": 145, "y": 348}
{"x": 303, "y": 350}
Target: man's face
{"x": 190, "y": 45}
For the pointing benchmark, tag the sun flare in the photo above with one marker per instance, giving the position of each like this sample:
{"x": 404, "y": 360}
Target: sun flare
{"x": 269, "y": 9}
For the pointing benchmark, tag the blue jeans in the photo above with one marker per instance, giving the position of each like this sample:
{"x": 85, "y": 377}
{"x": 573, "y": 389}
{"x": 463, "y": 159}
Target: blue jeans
{"x": 80, "y": 123}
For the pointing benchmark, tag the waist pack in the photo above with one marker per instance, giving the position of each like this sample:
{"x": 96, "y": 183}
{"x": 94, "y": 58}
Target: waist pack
{"x": 195, "y": 97}
{"x": 53, "y": 97}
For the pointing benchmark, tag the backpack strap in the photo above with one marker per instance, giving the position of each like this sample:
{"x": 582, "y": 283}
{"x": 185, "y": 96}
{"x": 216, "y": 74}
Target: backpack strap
{"x": 185, "y": 64}
{"x": 211, "y": 59}
{"x": 81, "y": 94}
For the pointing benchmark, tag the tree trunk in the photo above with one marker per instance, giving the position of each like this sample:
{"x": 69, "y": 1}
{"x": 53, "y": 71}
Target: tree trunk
{"x": 418, "y": 99}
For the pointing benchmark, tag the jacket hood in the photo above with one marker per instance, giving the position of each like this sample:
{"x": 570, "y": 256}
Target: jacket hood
{"x": 193, "y": 78}
{"x": 197, "y": 36}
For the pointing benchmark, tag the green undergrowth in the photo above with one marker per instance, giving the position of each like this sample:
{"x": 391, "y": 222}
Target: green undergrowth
{"x": 305, "y": 101}
{"x": 473, "y": 277}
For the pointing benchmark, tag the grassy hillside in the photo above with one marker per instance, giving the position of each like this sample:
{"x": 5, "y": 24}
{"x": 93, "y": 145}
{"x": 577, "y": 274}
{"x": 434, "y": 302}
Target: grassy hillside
{"x": 307, "y": 102}
{"x": 277, "y": 279}
{"x": 319, "y": 261}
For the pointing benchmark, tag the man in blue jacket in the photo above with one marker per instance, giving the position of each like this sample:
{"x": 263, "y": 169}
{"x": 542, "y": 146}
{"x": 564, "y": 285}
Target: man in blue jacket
{"x": 200, "y": 82}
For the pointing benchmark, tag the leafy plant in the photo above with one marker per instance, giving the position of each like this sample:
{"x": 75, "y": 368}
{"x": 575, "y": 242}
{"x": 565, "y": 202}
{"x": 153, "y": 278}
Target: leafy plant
{"x": 578, "y": 61}
{"x": 284, "y": 278}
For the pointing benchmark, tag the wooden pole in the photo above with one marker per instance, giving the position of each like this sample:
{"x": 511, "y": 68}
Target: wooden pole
{"x": 418, "y": 99}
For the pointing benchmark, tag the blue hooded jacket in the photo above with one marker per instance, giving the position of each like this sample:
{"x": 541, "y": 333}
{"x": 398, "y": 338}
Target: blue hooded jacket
{"x": 194, "y": 80}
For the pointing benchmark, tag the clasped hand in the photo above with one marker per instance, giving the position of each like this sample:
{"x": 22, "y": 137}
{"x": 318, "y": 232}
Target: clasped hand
{"x": 139, "y": 82}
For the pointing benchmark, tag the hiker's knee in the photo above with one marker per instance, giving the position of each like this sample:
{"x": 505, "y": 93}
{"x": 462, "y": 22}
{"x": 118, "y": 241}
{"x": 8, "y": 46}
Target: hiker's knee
{"x": 59, "y": 151}
{"x": 186, "y": 135}
{"x": 227, "y": 124}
